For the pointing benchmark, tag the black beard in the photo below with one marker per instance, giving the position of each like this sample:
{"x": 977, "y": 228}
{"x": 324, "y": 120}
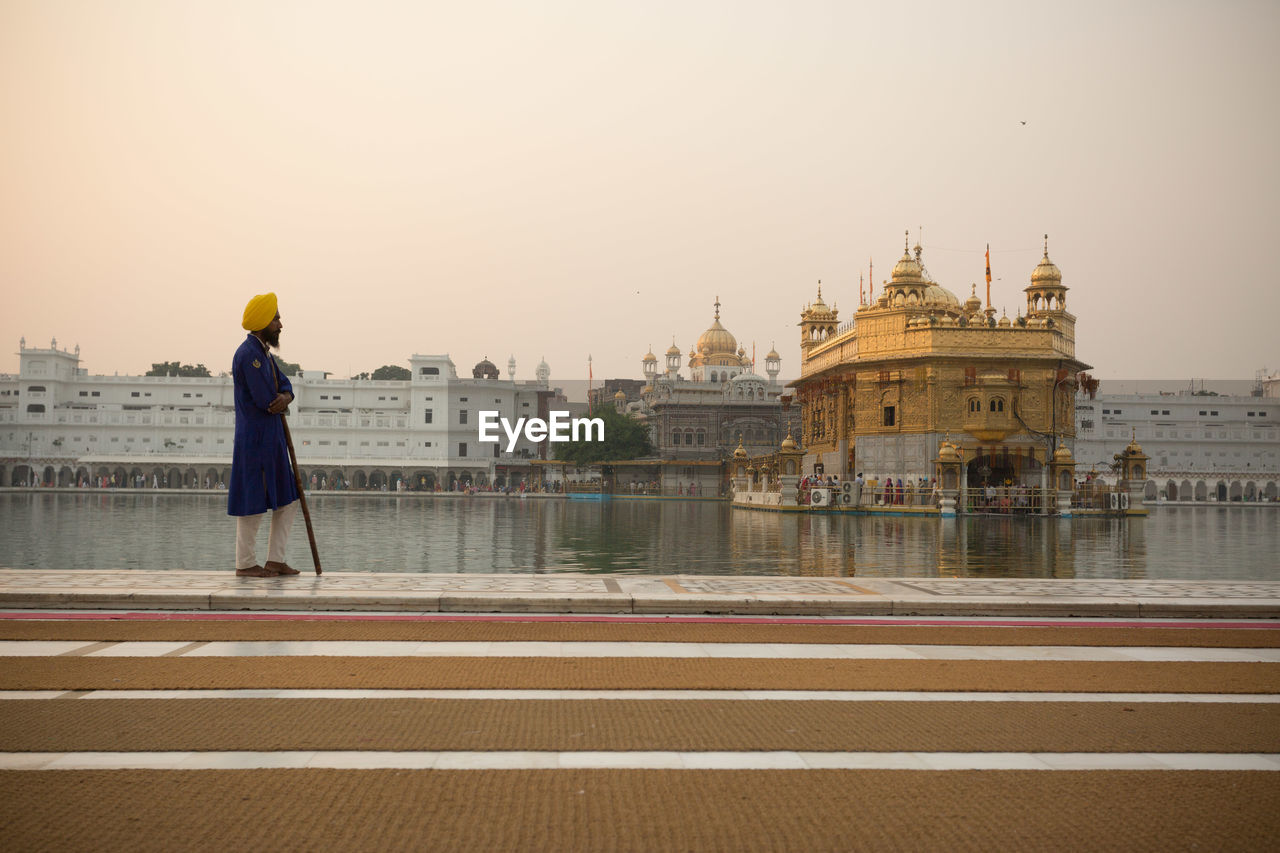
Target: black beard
{"x": 272, "y": 338}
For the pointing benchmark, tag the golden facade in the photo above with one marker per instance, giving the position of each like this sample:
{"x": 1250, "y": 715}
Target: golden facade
{"x": 916, "y": 365}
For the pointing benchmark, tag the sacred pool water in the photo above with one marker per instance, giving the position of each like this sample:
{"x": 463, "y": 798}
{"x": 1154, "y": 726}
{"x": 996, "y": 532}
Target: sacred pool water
{"x": 383, "y": 533}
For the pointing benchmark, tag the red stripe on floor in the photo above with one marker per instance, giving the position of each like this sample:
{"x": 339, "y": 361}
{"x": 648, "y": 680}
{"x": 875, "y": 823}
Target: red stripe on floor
{"x": 529, "y": 617}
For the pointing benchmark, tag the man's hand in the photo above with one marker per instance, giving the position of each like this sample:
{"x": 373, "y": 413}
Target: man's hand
{"x": 280, "y": 403}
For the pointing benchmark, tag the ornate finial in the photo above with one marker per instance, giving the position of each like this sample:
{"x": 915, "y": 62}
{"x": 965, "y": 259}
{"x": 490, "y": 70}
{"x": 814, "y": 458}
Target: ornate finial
{"x": 973, "y": 290}
{"x": 1046, "y": 245}
{"x": 717, "y": 306}
{"x": 906, "y": 242}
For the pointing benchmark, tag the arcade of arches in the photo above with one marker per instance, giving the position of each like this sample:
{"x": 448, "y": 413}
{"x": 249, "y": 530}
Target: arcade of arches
{"x": 359, "y": 478}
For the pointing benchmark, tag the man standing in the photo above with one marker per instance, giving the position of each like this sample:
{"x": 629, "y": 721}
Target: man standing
{"x": 261, "y": 478}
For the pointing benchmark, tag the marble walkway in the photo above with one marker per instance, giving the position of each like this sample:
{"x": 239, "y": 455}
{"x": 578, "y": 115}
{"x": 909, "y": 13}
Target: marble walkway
{"x": 568, "y": 593}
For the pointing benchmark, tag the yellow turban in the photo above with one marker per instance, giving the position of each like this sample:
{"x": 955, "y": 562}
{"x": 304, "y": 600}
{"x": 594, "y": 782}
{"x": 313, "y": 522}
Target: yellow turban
{"x": 260, "y": 311}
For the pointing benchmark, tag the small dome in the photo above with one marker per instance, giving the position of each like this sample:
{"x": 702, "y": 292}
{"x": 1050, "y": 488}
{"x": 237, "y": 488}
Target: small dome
{"x": 1004, "y": 321}
{"x": 674, "y": 350}
{"x": 819, "y": 310}
{"x": 649, "y": 356}
{"x": 973, "y": 304}
{"x": 947, "y": 452}
{"x": 1133, "y": 448}
{"x": 619, "y": 395}
{"x": 788, "y": 443}
{"x": 773, "y": 353}
{"x": 907, "y": 269}
{"x": 485, "y": 369}
{"x": 1047, "y": 272}
{"x": 1063, "y": 454}
{"x": 740, "y": 452}
{"x": 936, "y": 294}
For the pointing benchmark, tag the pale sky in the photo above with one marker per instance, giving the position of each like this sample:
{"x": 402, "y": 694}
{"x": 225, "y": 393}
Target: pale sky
{"x": 561, "y": 179}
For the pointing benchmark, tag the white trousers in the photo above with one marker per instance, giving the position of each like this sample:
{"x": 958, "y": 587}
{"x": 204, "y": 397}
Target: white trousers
{"x": 277, "y": 542}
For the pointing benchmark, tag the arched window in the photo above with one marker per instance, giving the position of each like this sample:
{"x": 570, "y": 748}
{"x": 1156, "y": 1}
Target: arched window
{"x": 702, "y": 438}
{"x": 975, "y": 405}
{"x": 675, "y": 436}
{"x": 997, "y": 404}
{"x": 688, "y": 437}
{"x": 714, "y": 377}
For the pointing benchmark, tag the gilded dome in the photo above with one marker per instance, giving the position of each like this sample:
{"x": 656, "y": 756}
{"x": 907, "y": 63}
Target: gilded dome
{"x": 788, "y": 443}
{"x": 819, "y": 310}
{"x": 907, "y": 269}
{"x": 674, "y": 350}
{"x": 936, "y": 294}
{"x": 947, "y": 452}
{"x": 1004, "y": 321}
{"x": 1047, "y": 271}
{"x": 773, "y": 353}
{"x": 717, "y": 340}
{"x": 973, "y": 304}
{"x": 619, "y": 395}
{"x": 1062, "y": 454}
{"x": 649, "y": 356}
{"x": 740, "y": 452}
{"x": 1133, "y": 448}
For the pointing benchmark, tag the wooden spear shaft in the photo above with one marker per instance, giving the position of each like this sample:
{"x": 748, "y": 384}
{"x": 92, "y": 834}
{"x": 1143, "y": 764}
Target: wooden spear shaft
{"x": 297, "y": 479}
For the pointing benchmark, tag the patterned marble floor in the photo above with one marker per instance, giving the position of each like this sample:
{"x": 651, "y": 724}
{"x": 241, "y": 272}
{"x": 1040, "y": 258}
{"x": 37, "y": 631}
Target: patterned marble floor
{"x": 649, "y": 594}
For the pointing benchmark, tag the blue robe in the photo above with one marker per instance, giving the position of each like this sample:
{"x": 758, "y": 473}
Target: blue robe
{"x": 261, "y": 478}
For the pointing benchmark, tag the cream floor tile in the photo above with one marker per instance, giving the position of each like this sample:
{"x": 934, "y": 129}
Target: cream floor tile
{"x": 40, "y": 648}
{"x": 782, "y": 760}
{"x": 498, "y": 761}
{"x": 863, "y": 761}
{"x": 345, "y": 648}
{"x": 340, "y": 760}
{"x": 620, "y": 760}
{"x": 27, "y": 760}
{"x": 245, "y": 760}
{"x": 981, "y": 761}
{"x": 120, "y": 760}
{"x": 1211, "y": 655}
{"x": 1215, "y": 761}
{"x": 482, "y": 650}
{"x": 136, "y": 650}
{"x": 30, "y": 694}
{"x": 1099, "y": 761}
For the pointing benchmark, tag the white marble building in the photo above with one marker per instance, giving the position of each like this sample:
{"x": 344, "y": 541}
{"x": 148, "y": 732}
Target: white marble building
{"x": 62, "y": 426}
{"x": 1203, "y": 447}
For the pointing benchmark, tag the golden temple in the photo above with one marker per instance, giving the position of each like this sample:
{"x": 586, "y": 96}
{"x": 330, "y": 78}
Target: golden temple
{"x": 917, "y": 369}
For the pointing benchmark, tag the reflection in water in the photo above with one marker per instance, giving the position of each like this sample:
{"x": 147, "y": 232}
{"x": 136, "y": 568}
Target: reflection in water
{"x": 414, "y": 534}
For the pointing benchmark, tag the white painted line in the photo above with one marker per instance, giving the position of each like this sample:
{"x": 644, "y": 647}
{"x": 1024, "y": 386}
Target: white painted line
{"x": 781, "y": 760}
{"x": 764, "y": 651}
{"x": 692, "y": 695}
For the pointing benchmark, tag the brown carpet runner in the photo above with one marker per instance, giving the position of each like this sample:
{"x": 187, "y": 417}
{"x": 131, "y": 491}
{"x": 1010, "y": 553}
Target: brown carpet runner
{"x": 177, "y": 725}
{"x": 380, "y": 810}
{"x": 129, "y": 673}
{"x": 484, "y": 631}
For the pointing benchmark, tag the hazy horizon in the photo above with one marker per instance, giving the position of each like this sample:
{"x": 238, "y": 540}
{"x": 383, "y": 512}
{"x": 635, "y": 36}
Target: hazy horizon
{"x": 568, "y": 179}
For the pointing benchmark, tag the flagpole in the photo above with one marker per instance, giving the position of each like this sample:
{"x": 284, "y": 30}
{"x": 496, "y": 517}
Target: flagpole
{"x": 988, "y": 275}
